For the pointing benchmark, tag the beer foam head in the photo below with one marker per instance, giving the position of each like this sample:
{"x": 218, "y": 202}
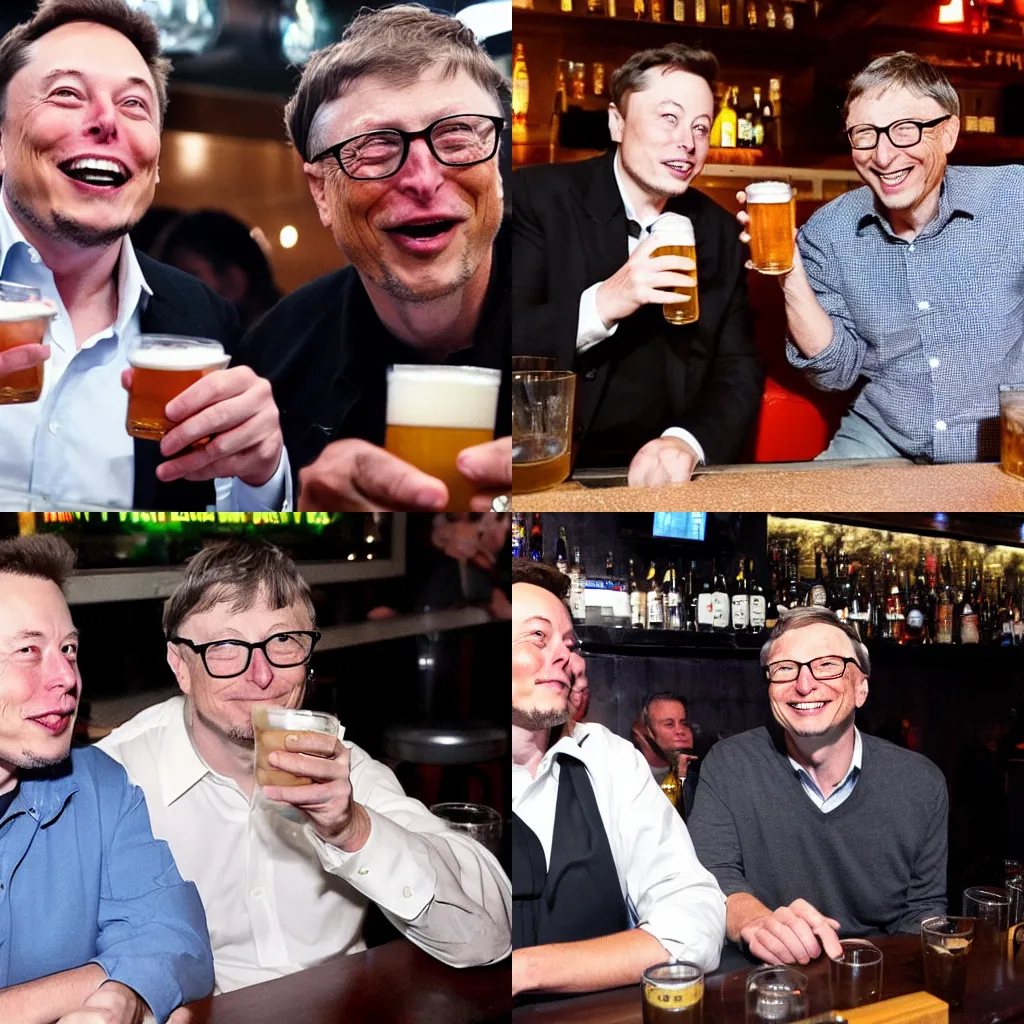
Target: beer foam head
{"x": 463, "y": 397}
{"x": 178, "y": 357}
{"x": 769, "y": 192}
{"x": 673, "y": 229}
{"x": 15, "y": 311}
{"x": 295, "y": 719}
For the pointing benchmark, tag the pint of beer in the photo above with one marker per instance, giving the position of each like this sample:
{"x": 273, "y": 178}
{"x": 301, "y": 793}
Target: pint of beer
{"x": 24, "y": 317}
{"x": 163, "y": 366}
{"x": 772, "y": 223}
{"x": 1011, "y": 429}
{"x": 433, "y": 412}
{"x": 673, "y": 993}
{"x": 674, "y": 234}
{"x": 542, "y": 420}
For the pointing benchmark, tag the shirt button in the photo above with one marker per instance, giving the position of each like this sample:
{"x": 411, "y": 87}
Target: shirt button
{"x": 911, "y": 247}
{"x": 922, "y": 305}
{"x": 407, "y": 892}
{"x": 364, "y": 871}
{"x": 33, "y": 256}
{"x": 257, "y": 893}
{"x": 590, "y": 375}
{"x": 933, "y": 363}
{"x": 53, "y": 427}
{"x": 940, "y": 424}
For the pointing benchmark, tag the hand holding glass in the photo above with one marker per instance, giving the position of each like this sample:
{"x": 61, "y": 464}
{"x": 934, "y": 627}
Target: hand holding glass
{"x": 772, "y": 225}
{"x": 271, "y": 727}
{"x": 24, "y": 317}
{"x": 674, "y": 235}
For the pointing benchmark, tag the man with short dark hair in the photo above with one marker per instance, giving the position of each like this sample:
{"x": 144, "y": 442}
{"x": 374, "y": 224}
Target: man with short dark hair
{"x": 284, "y": 890}
{"x": 97, "y": 924}
{"x": 83, "y": 93}
{"x": 657, "y": 397}
{"x": 398, "y": 127}
{"x": 814, "y": 830}
{"x": 605, "y": 882}
{"x": 663, "y": 735}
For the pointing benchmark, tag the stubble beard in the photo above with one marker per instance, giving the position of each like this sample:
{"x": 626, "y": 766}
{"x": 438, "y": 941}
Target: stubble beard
{"x": 533, "y": 719}
{"x": 394, "y": 286}
{"x": 655, "y": 190}
{"x": 28, "y": 759}
{"x": 240, "y": 735}
{"x": 61, "y": 228}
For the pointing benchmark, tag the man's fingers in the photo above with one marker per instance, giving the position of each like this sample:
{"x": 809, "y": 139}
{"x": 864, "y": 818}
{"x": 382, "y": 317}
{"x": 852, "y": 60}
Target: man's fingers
{"x": 829, "y": 939}
{"x": 23, "y": 357}
{"x": 679, "y": 264}
{"x": 214, "y": 387}
{"x": 796, "y": 950}
{"x": 767, "y": 946}
{"x": 804, "y": 934}
{"x": 489, "y": 464}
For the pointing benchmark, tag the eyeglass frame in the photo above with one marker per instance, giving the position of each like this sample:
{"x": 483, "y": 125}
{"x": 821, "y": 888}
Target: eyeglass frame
{"x": 807, "y": 664}
{"x": 201, "y": 649}
{"x": 407, "y": 139}
{"x": 880, "y": 131}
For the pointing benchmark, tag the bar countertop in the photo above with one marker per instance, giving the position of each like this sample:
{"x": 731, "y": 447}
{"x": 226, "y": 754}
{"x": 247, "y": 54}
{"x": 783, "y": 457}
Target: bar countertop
{"x": 886, "y": 486}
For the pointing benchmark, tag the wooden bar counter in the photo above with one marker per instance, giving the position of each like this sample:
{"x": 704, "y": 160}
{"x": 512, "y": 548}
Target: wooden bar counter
{"x": 862, "y": 486}
{"x": 995, "y": 991}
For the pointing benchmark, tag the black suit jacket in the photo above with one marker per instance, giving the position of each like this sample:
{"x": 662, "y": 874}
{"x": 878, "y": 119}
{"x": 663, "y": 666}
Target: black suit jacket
{"x": 180, "y": 304}
{"x": 325, "y": 353}
{"x": 569, "y": 232}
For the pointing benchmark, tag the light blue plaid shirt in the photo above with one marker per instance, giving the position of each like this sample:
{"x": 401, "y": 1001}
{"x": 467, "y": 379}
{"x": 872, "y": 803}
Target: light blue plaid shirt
{"x": 935, "y": 325}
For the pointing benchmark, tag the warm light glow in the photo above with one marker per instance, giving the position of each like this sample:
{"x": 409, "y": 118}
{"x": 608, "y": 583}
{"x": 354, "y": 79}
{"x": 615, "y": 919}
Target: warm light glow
{"x": 193, "y": 152}
{"x": 289, "y": 236}
{"x": 952, "y": 13}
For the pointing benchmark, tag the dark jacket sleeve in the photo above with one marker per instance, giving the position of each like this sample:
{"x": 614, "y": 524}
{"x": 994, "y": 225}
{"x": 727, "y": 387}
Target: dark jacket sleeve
{"x": 543, "y": 324}
{"x": 726, "y": 407}
{"x": 926, "y": 895}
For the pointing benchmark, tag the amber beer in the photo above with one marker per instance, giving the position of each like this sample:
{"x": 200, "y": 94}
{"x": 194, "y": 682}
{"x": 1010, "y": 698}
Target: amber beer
{"x": 434, "y": 412}
{"x": 673, "y": 993}
{"x": 163, "y": 366}
{"x": 23, "y": 321}
{"x": 270, "y": 727}
{"x": 674, "y": 234}
{"x": 542, "y": 419}
{"x": 946, "y": 946}
{"x": 772, "y": 223}
{"x": 1011, "y": 429}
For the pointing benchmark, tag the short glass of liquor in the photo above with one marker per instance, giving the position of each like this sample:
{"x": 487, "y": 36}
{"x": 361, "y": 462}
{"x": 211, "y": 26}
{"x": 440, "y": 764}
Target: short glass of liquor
{"x": 775, "y": 995}
{"x": 855, "y": 978}
{"x": 271, "y": 726}
{"x": 478, "y": 821}
{"x": 946, "y": 945}
{"x": 163, "y": 366}
{"x": 434, "y": 412}
{"x": 990, "y": 907}
{"x": 24, "y": 317}
{"x": 542, "y": 407}
{"x": 673, "y": 993}
{"x": 772, "y": 223}
{"x": 674, "y": 235}
{"x": 1011, "y": 429}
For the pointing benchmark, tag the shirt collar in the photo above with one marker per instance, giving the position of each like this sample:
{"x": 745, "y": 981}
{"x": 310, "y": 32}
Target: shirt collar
{"x": 855, "y": 761}
{"x": 955, "y": 200}
{"x": 43, "y": 792}
{"x": 181, "y": 767}
{"x": 630, "y": 213}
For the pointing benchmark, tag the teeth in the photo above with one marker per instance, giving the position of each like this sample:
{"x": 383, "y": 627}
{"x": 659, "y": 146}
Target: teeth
{"x": 894, "y": 176}
{"x": 810, "y": 705}
{"x": 92, "y": 164}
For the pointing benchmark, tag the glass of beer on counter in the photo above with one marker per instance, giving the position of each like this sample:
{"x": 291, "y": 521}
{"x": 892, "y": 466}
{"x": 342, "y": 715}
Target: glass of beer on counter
{"x": 271, "y": 725}
{"x": 1011, "y": 429}
{"x": 163, "y": 366}
{"x": 673, "y": 993}
{"x": 946, "y": 946}
{"x": 674, "y": 234}
{"x": 24, "y": 317}
{"x": 990, "y": 907}
{"x": 433, "y": 412}
{"x": 855, "y": 977}
{"x": 772, "y": 223}
{"x": 542, "y": 407}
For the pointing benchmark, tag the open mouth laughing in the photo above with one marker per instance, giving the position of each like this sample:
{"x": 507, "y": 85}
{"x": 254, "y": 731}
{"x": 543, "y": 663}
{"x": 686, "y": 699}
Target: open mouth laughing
{"x": 681, "y": 169}
{"x": 96, "y": 172}
{"x": 808, "y": 707}
{"x": 892, "y": 180}
{"x": 424, "y": 234}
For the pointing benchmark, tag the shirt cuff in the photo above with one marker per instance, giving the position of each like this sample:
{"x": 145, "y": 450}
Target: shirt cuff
{"x": 234, "y": 495}
{"x": 685, "y": 435}
{"x": 591, "y": 329}
{"x": 387, "y": 870}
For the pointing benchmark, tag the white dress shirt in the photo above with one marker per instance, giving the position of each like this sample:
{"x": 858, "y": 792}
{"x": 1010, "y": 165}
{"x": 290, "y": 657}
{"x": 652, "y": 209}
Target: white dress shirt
{"x": 665, "y": 888}
{"x": 278, "y": 898}
{"x": 71, "y": 445}
{"x": 845, "y": 787}
{"x": 591, "y": 328}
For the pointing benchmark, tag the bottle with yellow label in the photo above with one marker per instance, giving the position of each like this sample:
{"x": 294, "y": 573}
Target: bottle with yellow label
{"x": 729, "y": 121}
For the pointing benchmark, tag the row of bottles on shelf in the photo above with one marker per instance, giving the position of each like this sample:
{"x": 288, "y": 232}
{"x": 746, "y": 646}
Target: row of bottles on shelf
{"x": 751, "y": 126}
{"x": 751, "y": 14}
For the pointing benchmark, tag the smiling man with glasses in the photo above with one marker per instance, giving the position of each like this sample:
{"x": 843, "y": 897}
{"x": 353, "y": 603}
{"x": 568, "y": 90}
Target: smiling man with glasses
{"x": 398, "y": 126}
{"x": 283, "y": 892}
{"x": 814, "y": 830}
{"x": 915, "y": 284}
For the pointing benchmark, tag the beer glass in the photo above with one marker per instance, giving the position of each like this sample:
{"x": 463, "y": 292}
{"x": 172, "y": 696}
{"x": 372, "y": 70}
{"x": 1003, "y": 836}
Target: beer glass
{"x": 775, "y": 995}
{"x": 542, "y": 405}
{"x": 673, "y": 993}
{"x": 270, "y": 726}
{"x": 163, "y": 366}
{"x": 772, "y": 223}
{"x": 433, "y": 412}
{"x": 1011, "y": 429}
{"x": 946, "y": 945}
{"x": 675, "y": 237}
{"x": 24, "y": 317}
{"x": 855, "y": 978}
{"x": 475, "y": 820}
{"x": 990, "y": 908}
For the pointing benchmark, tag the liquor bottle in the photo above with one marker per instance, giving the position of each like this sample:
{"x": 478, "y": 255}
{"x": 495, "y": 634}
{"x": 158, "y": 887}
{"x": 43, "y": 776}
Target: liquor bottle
{"x": 657, "y": 10}
{"x": 655, "y": 608}
{"x": 610, "y": 10}
{"x": 562, "y": 552}
{"x": 705, "y": 607}
{"x": 772, "y": 113}
{"x": 722, "y": 95}
{"x": 638, "y": 9}
{"x": 609, "y": 565}
{"x": 968, "y": 608}
{"x": 726, "y": 12}
{"x": 916, "y": 621}
{"x": 537, "y": 539}
{"x": 818, "y": 591}
{"x": 519, "y": 549}
{"x": 679, "y": 10}
{"x": 730, "y": 121}
{"x": 751, "y": 14}
{"x": 858, "y": 614}
{"x": 1018, "y": 611}
{"x": 719, "y": 600}
{"x": 932, "y": 598}
{"x": 700, "y": 11}
{"x": 520, "y": 94}
{"x": 788, "y": 19}
{"x": 758, "y": 604}
{"x": 577, "y": 588}
{"x": 895, "y": 608}
{"x": 566, "y": 6}
{"x": 595, "y": 7}
{"x": 690, "y": 622}
{"x": 1006, "y": 616}
{"x": 740, "y": 601}
{"x": 792, "y": 576}
{"x": 944, "y": 610}
{"x": 637, "y": 601}
{"x": 757, "y": 131}
{"x": 745, "y": 130}
{"x": 770, "y": 16}
{"x": 673, "y": 601}
{"x": 672, "y": 785}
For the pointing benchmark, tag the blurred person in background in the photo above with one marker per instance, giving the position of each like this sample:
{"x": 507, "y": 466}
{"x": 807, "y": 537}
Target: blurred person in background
{"x": 662, "y": 734}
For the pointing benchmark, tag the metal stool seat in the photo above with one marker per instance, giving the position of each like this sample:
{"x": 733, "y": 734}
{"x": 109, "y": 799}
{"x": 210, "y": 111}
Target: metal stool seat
{"x": 445, "y": 744}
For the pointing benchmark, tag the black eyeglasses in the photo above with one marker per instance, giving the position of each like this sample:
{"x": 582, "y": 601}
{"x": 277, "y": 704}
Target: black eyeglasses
{"x": 830, "y": 666}
{"x": 902, "y": 134}
{"x": 226, "y": 658}
{"x": 459, "y": 140}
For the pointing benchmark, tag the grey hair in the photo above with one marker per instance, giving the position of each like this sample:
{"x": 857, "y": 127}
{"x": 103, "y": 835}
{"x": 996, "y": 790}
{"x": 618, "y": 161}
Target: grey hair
{"x": 797, "y": 618}
{"x": 903, "y": 70}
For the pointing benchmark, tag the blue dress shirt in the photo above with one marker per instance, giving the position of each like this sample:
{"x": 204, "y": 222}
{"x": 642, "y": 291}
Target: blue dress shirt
{"x": 82, "y": 880}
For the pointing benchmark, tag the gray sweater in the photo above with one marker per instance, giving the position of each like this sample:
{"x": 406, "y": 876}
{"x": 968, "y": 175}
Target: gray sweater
{"x": 877, "y": 863}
